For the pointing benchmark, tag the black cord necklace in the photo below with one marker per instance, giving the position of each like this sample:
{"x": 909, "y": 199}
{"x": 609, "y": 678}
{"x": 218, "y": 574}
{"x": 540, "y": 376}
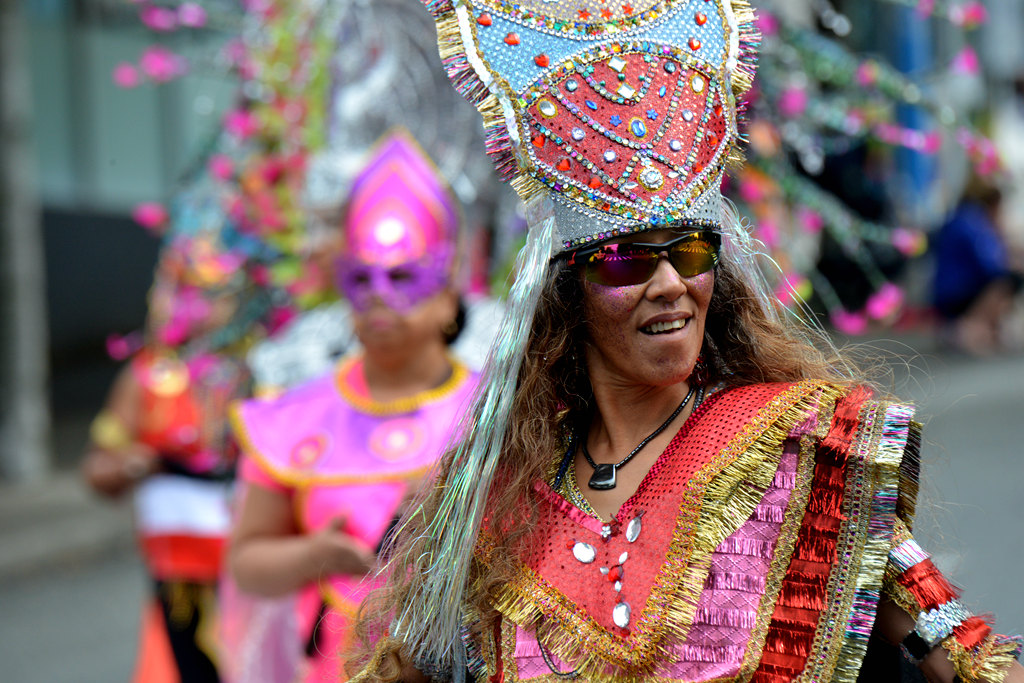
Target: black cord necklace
{"x": 604, "y": 474}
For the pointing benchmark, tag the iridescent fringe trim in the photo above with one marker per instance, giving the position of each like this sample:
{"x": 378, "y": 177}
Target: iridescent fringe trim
{"x": 742, "y": 77}
{"x": 910, "y": 473}
{"x": 886, "y": 471}
{"x": 432, "y": 616}
{"x": 464, "y": 77}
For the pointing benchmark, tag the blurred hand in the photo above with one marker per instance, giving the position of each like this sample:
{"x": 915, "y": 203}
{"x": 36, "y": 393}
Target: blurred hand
{"x": 112, "y": 474}
{"x": 335, "y": 552}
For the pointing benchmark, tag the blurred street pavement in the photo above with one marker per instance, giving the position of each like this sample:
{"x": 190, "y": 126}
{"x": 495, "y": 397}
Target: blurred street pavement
{"x": 71, "y": 585}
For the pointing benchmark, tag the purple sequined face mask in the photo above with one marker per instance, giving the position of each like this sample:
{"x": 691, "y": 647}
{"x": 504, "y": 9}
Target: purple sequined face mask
{"x": 400, "y": 287}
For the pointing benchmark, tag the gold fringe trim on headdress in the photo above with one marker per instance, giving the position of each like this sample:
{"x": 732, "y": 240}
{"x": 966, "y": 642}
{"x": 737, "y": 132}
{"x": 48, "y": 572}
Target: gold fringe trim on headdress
{"x": 721, "y": 497}
{"x": 750, "y": 43}
{"x": 742, "y": 77}
{"x": 462, "y": 74}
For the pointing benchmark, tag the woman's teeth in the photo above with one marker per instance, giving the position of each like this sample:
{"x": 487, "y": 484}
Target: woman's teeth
{"x": 659, "y": 328}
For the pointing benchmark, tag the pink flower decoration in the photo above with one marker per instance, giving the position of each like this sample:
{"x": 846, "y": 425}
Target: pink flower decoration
{"x": 849, "y": 323}
{"x": 913, "y": 139}
{"x": 909, "y": 242}
{"x": 793, "y": 102}
{"x": 966, "y": 62}
{"x": 767, "y": 24}
{"x": 279, "y": 318}
{"x": 173, "y": 333}
{"x": 236, "y": 211}
{"x": 260, "y": 275}
{"x": 811, "y": 221}
{"x": 750, "y": 191}
{"x": 192, "y": 15}
{"x": 150, "y": 215}
{"x": 126, "y": 75}
{"x": 158, "y": 18}
{"x": 221, "y": 167}
{"x": 234, "y": 51}
{"x": 241, "y": 123}
{"x": 160, "y": 64}
{"x": 768, "y": 233}
{"x": 969, "y": 15}
{"x": 120, "y": 347}
{"x": 793, "y": 287}
{"x": 886, "y": 301}
{"x": 932, "y": 142}
{"x": 889, "y": 133}
{"x": 867, "y": 74}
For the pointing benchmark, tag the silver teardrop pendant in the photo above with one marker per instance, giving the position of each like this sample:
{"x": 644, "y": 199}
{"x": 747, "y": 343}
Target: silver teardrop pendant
{"x": 633, "y": 529}
{"x": 584, "y": 552}
{"x": 620, "y": 614}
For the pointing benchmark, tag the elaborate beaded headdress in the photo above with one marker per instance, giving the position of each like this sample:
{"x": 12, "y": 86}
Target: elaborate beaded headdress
{"x": 623, "y": 113}
{"x": 608, "y": 117}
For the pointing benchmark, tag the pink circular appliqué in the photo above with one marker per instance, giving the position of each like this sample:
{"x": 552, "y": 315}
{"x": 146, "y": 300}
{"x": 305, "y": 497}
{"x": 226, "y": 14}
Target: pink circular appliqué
{"x": 399, "y": 439}
{"x": 308, "y": 451}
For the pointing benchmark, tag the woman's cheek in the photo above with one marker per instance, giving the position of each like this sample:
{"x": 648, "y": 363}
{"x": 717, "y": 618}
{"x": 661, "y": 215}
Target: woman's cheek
{"x": 701, "y": 288}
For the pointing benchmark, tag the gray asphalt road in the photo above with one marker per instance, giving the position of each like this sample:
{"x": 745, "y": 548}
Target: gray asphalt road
{"x": 76, "y": 624}
{"x": 79, "y": 624}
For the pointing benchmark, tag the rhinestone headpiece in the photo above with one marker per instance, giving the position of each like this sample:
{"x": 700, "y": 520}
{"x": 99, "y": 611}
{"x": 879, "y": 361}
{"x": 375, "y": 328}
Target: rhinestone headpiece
{"x": 625, "y": 112}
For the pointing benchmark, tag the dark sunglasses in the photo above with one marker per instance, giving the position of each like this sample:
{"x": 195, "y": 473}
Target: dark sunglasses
{"x": 634, "y": 263}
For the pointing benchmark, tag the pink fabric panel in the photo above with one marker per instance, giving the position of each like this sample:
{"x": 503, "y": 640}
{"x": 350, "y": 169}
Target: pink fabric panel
{"x": 727, "y": 609}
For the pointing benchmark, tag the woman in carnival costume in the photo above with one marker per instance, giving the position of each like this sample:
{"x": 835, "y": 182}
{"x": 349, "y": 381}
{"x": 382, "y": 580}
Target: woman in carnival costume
{"x": 661, "y": 478}
{"x": 163, "y": 435}
{"x": 330, "y": 463}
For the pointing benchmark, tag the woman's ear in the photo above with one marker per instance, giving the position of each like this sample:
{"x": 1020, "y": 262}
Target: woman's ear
{"x": 451, "y": 304}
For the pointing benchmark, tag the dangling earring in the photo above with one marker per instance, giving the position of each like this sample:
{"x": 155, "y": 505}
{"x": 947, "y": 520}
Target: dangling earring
{"x": 700, "y": 372}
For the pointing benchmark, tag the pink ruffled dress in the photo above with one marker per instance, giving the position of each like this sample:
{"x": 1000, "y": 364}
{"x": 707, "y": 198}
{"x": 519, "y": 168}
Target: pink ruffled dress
{"x": 336, "y": 452}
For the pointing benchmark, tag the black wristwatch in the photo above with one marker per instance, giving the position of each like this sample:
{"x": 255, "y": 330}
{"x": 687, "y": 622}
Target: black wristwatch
{"x": 915, "y": 646}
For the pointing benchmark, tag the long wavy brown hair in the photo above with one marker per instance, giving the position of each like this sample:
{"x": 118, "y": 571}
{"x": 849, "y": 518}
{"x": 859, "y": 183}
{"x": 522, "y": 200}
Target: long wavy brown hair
{"x": 743, "y": 344}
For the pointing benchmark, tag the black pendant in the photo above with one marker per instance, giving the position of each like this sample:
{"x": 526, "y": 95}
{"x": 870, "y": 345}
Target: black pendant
{"x": 603, "y": 478}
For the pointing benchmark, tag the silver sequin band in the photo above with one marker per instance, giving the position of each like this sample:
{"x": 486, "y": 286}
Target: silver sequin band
{"x": 936, "y": 625}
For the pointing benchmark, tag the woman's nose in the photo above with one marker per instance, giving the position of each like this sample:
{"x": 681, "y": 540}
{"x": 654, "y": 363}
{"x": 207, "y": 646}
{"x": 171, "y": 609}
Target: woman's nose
{"x": 666, "y": 282}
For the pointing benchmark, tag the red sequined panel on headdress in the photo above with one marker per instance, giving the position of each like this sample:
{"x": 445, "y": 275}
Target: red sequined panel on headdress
{"x": 634, "y": 127}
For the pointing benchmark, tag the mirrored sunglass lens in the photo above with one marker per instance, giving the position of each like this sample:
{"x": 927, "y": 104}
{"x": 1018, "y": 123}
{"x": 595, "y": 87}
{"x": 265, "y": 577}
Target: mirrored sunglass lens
{"x": 620, "y": 268}
{"x": 693, "y": 257}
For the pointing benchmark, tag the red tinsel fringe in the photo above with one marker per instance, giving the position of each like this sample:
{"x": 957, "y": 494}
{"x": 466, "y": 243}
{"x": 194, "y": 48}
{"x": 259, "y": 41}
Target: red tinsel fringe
{"x": 791, "y": 632}
{"x": 844, "y": 425}
{"x": 928, "y": 586}
{"x": 972, "y": 632}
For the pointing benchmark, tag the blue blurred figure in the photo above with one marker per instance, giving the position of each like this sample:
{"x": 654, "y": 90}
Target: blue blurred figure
{"x": 975, "y": 281}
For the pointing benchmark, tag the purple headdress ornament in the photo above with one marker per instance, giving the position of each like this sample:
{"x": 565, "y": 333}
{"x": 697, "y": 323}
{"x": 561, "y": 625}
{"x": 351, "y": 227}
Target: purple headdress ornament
{"x": 399, "y": 229}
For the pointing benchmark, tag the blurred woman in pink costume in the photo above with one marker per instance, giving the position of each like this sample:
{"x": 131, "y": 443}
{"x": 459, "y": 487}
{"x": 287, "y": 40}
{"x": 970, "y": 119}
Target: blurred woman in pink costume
{"x": 330, "y": 463}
